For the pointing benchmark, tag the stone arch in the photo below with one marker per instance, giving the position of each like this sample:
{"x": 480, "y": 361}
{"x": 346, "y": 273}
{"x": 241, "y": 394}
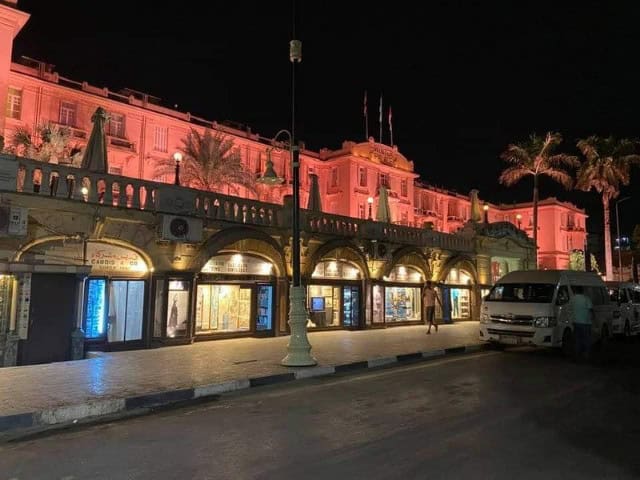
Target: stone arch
{"x": 463, "y": 262}
{"x": 412, "y": 257}
{"x": 346, "y": 249}
{"x": 59, "y": 238}
{"x": 242, "y": 239}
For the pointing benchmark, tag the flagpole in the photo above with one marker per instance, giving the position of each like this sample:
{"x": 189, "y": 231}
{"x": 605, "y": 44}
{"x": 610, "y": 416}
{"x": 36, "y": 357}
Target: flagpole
{"x": 390, "y": 125}
{"x": 366, "y": 118}
{"x": 380, "y": 119}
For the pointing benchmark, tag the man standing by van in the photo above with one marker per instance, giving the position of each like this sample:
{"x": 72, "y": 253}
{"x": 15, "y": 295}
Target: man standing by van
{"x": 429, "y": 299}
{"x": 582, "y": 313}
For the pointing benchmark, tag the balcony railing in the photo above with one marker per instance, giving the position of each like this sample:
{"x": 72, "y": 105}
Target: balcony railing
{"x": 40, "y": 179}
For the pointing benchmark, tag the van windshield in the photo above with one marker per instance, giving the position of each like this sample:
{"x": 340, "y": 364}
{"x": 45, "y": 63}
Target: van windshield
{"x": 522, "y": 292}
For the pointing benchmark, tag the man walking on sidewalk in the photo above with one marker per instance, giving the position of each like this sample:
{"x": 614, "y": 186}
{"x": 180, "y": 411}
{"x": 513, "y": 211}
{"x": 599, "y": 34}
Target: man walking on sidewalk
{"x": 429, "y": 299}
{"x": 582, "y": 312}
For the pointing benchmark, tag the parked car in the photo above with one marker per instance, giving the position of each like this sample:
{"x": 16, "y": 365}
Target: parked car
{"x": 627, "y": 296}
{"x": 532, "y": 307}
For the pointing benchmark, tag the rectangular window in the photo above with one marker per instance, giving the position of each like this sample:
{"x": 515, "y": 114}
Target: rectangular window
{"x": 68, "y": 112}
{"x": 361, "y": 210}
{"x": 334, "y": 177}
{"x": 225, "y": 308}
{"x": 178, "y": 308}
{"x": 404, "y": 189}
{"x": 383, "y": 180}
{"x": 324, "y": 305}
{"x": 115, "y": 125}
{"x": 161, "y": 139}
{"x": 402, "y": 304}
{"x": 14, "y": 103}
{"x": 362, "y": 176}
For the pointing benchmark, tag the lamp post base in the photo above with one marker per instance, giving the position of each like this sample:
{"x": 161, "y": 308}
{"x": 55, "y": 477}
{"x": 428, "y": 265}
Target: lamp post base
{"x": 299, "y": 348}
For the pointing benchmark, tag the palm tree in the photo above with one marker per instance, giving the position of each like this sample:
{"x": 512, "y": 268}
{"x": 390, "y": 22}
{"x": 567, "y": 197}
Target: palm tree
{"x": 49, "y": 142}
{"x": 210, "y": 162}
{"x": 606, "y": 168}
{"x": 535, "y": 157}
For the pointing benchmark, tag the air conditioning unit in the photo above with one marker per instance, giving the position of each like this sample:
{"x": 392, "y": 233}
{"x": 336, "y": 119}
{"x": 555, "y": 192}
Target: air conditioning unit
{"x": 180, "y": 229}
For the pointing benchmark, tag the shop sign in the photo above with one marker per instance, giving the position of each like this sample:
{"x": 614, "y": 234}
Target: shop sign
{"x": 237, "y": 264}
{"x": 405, "y": 274}
{"x": 338, "y": 270}
{"x": 24, "y": 304}
{"x": 109, "y": 259}
{"x": 104, "y": 259}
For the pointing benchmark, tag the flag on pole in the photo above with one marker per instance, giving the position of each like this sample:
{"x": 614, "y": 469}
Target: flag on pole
{"x": 380, "y": 119}
{"x": 390, "y": 125}
{"x": 365, "y": 103}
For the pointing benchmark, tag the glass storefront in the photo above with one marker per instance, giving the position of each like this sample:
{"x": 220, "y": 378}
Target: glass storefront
{"x": 400, "y": 300}
{"x": 234, "y": 295}
{"x": 333, "y": 297}
{"x": 114, "y": 304}
{"x": 223, "y": 308}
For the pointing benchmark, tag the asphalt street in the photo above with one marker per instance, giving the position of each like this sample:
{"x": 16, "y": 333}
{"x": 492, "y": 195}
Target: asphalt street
{"x": 495, "y": 415}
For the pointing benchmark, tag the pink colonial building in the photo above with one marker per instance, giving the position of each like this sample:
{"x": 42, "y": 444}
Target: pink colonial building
{"x": 141, "y": 133}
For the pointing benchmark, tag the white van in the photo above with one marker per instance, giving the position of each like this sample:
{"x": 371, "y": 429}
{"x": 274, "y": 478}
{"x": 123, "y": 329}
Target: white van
{"x": 627, "y": 296}
{"x": 531, "y": 307}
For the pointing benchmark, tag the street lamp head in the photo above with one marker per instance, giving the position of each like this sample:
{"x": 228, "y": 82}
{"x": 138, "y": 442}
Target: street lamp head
{"x": 370, "y": 200}
{"x": 177, "y": 157}
{"x": 270, "y": 177}
{"x": 518, "y": 216}
{"x": 485, "y": 207}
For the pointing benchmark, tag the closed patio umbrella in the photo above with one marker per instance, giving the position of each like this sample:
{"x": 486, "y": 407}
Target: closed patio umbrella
{"x": 384, "y": 213}
{"x": 95, "y": 154}
{"x": 315, "y": 203}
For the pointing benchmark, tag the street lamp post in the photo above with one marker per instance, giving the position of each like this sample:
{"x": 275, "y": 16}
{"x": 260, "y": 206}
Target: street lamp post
{"x": 370, "y": 202}
{"x": 485, "y": 207}
{"x": 519, "y": 219}
{"x": 618, "y": 237}
{"x": 177, "y": 157}
{"x": 298, "y": 348}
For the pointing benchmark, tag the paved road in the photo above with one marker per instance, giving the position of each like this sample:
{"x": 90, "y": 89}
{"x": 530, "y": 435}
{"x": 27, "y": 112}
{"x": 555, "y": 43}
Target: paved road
{"x": 515, "y": 414}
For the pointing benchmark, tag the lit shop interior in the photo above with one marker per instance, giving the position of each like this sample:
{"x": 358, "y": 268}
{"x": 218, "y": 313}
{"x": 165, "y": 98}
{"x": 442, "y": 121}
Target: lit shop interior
{"x": 235, "y": 294}
{"x": 399, "y": 299}
{"x": 457, "y": 296}
{"x": 334, "y": 295}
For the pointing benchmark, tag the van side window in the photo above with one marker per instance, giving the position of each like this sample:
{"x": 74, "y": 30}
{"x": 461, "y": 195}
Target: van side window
{"x": 597, "y": 295}
{"x": 623, "y": 295}
{"x": 635, "y": 295}
{"x": 563, "y": 295}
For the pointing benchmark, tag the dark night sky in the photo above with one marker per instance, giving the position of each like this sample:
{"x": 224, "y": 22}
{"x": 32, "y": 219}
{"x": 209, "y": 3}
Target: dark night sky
{"x": 464, "y": 78}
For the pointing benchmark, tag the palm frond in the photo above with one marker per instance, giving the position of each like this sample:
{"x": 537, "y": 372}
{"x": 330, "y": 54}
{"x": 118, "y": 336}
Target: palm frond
{"x": 512, "y": 175}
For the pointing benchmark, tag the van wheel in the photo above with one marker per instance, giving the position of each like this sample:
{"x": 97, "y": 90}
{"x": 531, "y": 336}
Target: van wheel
{"x": 568, "y": 347}
{"x": 627, "y": 329}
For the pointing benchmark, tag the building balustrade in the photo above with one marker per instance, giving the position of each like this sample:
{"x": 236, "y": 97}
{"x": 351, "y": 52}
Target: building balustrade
{"x": 36, "y": 178}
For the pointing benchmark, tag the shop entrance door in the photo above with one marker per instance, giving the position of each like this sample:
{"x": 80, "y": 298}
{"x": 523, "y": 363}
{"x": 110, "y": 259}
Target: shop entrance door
{"x": 351, "y": 306}
{"x": 51, "y": 319}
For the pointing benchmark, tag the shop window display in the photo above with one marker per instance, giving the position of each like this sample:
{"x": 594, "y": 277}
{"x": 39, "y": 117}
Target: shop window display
{"x": 402, "y": 304}
{"x": 324, "y": 305}
{"x": 223, "y": 308}
{"x": 177, "y": 308}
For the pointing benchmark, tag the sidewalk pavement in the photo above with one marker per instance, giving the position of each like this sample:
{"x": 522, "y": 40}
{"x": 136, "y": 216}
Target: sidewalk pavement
{"x": 38, "y": 396}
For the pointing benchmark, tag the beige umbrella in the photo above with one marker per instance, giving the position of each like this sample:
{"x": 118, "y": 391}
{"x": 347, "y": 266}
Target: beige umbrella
{"x": 384, "y": 213}
{"x": 95, "y": 154}
{"x": 315, "y": 203}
